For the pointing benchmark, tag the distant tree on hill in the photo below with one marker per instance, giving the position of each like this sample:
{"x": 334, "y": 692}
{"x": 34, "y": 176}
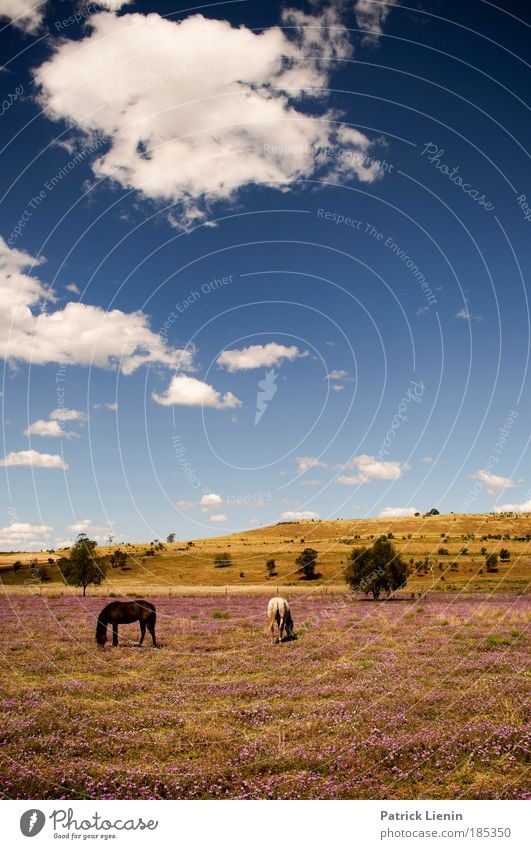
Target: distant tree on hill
{"x": 491, "y": 561}
{"x": 432, "y": 512}
{"x": 118, "y": 559}
{"x": 505, "y": 555}
{"x": 170, "y": 538}
{"x": 83, "y": 567}
{"x": 376, "y": 568}
{"x": 307, "y": 563}
{"x": 271, "y": 568}
{"x": 222, "y": 560}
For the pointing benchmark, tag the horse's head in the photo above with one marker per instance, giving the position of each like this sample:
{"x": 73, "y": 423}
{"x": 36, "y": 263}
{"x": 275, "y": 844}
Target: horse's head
{"x": 101, "y": 633}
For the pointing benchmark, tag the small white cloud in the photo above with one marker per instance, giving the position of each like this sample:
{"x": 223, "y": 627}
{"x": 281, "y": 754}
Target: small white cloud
{"x": 71, "y": 287}
{"x": 211, "y": 499}
{"x": 50, "y": 429}
{"x": 219, "y": 517}
{"x": 87, "y": 526}
{"x": 432, "y": 461}
{"x": 370, "y": 469}
{"x": 63, "y": 415}
{"x": 311, "y": 482}
{"x": 337, "y": 387}
{"x": 464, "y": 314}
{"x": 23, "y": 536}
{"x": 183, "y": 504}
{"x": 422, "y": 310}
{"x": 525, "y": 507}
{"x": 371, "y": 15}
{"x": 305, "y": 463}
{"x": 34, "y": 459}
{"x": 494, "y": 484}
{"x": 258, "y": 356}
{"x": 397, "y": 512}
{"x": 338, "y": 374}
{"x": 298, "y": 515}
{"x": 189, "y": 392}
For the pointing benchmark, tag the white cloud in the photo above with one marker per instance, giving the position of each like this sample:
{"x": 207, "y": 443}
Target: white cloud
{"x": 397, "y": 512}
{"x": 219, "y": 517}
{"x": 78, "y": 334}
{"x": 34, "y": 459}
{"x": 298, "y": 515}
{"x": 370, "y": 469}
{"x": 305, "y": 463}
{"x": 62, "y": 414}
{"x": 467, "y": 316}
{"x": 432, "y": 461}
{"x": 311, "y": 482}
{"x": 258, "y": 356}
{"x": 338, "y": 374}
{"x": 21, "y": 536}
{"x": 494, "y": 484}
{"x": 337, "y": 387}
{"x": 113, "y": 5}
{"x": 24, "y": 14}
{"x": 525, "y": 507}
{"x": 211, "y": 499}
{"x": 371, "y": 15}
{"x": 71, "y": 287}
{"x": 50, "y": 429}
{"x": 196, "y": 109}
{"x": 88, "y": 527}
{"x": 183, "y": 504}
{"x": 190, "y": 392}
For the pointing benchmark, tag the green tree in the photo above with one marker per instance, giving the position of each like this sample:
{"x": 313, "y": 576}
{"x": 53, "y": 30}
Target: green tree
{"x": 271, "y": 567}
{"x": 170, "y": 538}
{"x": 505, "y": 554}
{"x": 307, "y": 563}
{"x": 491, "y": 561}
{"x": 83, "y": 567}
{"x": 376, "y": 568}
{"x": 222, "y": 560}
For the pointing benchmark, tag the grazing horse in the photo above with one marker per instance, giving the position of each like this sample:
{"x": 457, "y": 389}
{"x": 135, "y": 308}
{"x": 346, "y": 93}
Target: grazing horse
{"x": 123, "y": 613}
{"x": 278, "y": 611}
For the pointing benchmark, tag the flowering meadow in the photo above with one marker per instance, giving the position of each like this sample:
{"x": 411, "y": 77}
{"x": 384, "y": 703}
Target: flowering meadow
{"x": 391, "y": 699}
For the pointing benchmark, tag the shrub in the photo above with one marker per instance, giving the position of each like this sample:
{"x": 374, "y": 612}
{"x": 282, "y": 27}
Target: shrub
{"x": 307, "y": 562}
{"x": 491, "y": 561}
{"x": 505, "y": 555}
{"x": 222, "y": 560}
{"x": 271, "y": 568}
{"x": 442, "y": 550}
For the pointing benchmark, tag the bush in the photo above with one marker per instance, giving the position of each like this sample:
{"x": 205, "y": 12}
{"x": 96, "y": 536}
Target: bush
{"x": 271, "y": 568}
{"x": 222, "y": 560}
{"x": 442, "y": 550}
{"x": 491, "y": 561}
{"x": 377, "y": 568}
{"x": 307, "y": 562}
{"x": 505, "y": 555}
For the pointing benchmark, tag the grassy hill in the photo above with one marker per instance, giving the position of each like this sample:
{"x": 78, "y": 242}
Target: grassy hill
{"x": 190, "y": 563}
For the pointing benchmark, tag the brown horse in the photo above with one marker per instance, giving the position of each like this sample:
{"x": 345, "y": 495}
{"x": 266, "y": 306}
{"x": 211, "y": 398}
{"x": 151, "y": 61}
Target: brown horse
{"x": 123, "y": 613}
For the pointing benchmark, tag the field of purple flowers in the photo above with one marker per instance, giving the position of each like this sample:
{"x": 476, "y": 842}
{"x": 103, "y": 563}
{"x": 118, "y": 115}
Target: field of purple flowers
{"x": 373, "y": 700}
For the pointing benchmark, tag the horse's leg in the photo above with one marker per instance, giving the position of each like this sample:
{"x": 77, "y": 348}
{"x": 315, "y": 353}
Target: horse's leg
{"x": 142, "y": 632}
{"x": 151, "y": 629}
{"x": 115, "y": 634}
{"x": 272, "y": 628}
{"x": 281, "y": 627}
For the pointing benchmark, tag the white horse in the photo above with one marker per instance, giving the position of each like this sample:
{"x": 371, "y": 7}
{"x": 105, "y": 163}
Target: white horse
{"x": 278, "y": 611}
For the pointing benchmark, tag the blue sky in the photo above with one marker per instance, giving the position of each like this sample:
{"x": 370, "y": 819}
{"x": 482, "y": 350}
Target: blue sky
{"x": 261, "y": 263}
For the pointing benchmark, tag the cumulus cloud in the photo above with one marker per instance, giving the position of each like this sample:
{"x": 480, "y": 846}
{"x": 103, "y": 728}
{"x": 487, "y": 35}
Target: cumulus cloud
{"x": 298, "y": 515}
{"x": 371, "y": 15}
{"x": 24, "y": 14}
{"x": 467, "y": 316}
{"x": 34, "y": 459}
{"x": 494, "y": 484}
{"x": 525, "y": 507}
{"x": 305, "y": 463}
{"x": 22, "y": 536}
{"x": 62, "y": 414}
{"x": 183, "y": 504}
{"x": 211, "y": 499}
{"x": 338, "y": 374}
{"x": 196, "y": 109}
{"x": 78, "y": 334}
{"x": 50, "y": 429}
{"x": 190, "y": 392}
{"x": 370, "y": 469}
{"x": 219, "y": 517}
{"x": 71, "y": 287}
{"x": 88, "y": 527}
{"x": 397, "y": 512}
{"x": 258, "y": 356}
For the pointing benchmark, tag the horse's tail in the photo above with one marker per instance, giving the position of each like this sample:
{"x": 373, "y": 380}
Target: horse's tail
{"x": 101, "y": 630}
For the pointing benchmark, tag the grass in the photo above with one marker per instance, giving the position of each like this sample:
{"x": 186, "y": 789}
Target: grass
{"x": 183, "y": 565}
{"x": 371, "y": 701}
